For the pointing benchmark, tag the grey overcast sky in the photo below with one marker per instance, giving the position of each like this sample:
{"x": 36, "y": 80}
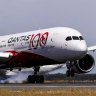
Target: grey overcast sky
{"x": 25, "y": 15}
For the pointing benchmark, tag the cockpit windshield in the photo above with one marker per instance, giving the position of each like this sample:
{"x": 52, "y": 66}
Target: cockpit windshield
{"x": 69, "y": 38}
{"x": 81, "y": 38}
{"x": 75, "y": 37}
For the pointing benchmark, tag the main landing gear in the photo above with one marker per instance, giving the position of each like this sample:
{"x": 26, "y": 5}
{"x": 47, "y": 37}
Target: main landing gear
{"x": 36, "y": 78}
{"x": 70, "y": 69}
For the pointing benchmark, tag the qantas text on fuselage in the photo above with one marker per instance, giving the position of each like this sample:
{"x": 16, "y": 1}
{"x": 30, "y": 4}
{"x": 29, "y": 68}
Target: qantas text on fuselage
{"x": 33, "y": 40}
{"x": 46, "y": 47}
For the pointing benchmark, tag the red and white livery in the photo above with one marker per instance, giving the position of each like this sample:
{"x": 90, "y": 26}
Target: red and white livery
{"x": 46, "y": 47}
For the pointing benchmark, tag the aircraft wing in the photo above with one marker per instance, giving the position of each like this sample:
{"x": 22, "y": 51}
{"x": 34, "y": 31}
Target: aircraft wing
{"x": 49, "y": 68}
{"x": 24, "y": 59}
{"x": 92, "y": 48}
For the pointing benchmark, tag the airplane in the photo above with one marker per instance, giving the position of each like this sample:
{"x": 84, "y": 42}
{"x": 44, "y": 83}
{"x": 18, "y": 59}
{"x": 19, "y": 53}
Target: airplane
{"x": 34, "y": 49}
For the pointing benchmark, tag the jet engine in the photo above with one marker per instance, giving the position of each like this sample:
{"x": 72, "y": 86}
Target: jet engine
{"x": 5, "y": 56}
{"x": 85, "y": 65}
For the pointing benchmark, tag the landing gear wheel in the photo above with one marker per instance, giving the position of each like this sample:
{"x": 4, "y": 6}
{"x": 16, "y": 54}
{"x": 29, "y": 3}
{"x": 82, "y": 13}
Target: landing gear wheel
{"x": 35, "y": 79}
{"x": 70, "y": 66}
{"x": 40, "y": 79}
{"x": 68, "y": 73}
{"x": 31, "y": 79}
{"x": 72, "y": 73}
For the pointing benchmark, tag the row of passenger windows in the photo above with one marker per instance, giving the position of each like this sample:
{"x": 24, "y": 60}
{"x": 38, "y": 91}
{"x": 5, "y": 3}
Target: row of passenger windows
{"x": 74, "y": 38}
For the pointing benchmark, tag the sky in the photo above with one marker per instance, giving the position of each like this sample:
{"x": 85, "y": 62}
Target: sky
{"x": 25, "y": 15}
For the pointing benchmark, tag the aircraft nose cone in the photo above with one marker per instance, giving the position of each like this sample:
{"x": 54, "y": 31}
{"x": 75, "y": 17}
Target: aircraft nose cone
{"x": 82, "y": 48}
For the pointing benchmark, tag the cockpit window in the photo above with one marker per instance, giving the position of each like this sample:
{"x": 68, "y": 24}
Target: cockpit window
{"x": 81, "y": 38}
{"x": 68, "y": 38}
{"x": 75, "y": 37}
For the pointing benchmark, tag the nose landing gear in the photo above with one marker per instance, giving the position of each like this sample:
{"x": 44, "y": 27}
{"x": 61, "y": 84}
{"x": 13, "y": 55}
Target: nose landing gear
{"x": 35, "y": 78}
{"x": 70, "y": 69}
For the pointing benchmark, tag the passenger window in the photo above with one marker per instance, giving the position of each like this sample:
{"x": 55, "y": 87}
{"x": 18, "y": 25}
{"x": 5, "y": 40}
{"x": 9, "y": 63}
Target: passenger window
{"x": 81, "y": 38}
{"x": 68, "y": 38}
{"x": 75, "y": 38}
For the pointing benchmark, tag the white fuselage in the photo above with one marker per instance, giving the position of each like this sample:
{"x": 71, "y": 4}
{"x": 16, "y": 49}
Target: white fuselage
{"x": 51, "y": 43}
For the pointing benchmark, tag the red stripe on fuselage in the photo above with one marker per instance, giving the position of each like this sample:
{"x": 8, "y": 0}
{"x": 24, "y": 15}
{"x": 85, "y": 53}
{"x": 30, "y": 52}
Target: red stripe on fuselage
{"x": 25, "y": 59}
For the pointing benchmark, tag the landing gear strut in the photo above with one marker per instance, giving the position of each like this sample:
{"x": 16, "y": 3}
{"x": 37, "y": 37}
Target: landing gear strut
{"x": 70, "y": 69}
{"x": 36, "y": 78}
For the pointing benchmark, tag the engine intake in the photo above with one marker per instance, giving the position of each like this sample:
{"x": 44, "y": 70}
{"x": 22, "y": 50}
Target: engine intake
{"x": 86, "y": 64}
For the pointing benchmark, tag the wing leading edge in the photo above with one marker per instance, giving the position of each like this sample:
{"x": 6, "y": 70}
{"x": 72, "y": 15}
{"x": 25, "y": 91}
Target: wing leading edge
{"x": 92, "y": 48}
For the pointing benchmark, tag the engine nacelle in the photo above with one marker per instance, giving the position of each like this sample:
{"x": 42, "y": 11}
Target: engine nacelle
{"x": 85, "y": 65}
{"x": 6, "y": 56}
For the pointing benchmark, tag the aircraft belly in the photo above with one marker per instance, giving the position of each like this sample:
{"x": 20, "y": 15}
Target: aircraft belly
{"x": 25, "y": 59}
{"x": 59, "y": 55}
{"x": 52, "y": 53}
